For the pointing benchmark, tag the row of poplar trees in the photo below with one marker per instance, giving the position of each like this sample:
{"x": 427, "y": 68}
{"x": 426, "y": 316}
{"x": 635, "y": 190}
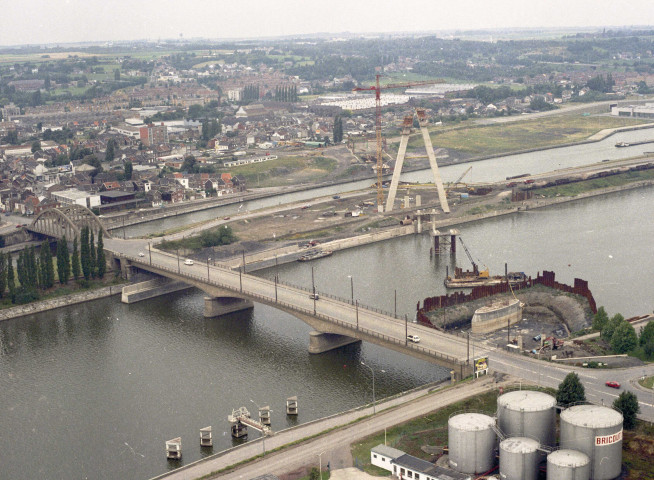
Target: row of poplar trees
{"x": 34, "y": 273}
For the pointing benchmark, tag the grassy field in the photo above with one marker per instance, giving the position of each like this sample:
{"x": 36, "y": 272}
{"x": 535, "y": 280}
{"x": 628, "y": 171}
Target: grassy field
{"x": 574, "y": 189}
{"x": 648, "y": 382}
{"x": 515, "y": 136}
{"x": 285, "y": 171}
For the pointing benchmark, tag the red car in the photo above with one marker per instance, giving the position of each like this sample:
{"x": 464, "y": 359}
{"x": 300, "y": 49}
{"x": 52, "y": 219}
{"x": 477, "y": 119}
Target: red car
{"x": 612, "y": 384}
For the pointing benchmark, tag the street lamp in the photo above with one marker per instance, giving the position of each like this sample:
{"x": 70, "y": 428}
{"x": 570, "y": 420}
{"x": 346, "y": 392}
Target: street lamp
{"x": 313, "y": 288}
{"x": 208, "y": 260}
{"x": 263, "y": 433}
{"x": 351, "y": 287}
{"x": 373, "y": 387}
{"x": 150, "y": 251}
{"x": 320, "y": 463}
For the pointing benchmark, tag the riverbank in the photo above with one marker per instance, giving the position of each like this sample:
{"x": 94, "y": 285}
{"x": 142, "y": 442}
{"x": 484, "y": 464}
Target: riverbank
{"x": 59, "y": 302}
{"x": 288, "y": 253}
{"x": 295, "y": 447}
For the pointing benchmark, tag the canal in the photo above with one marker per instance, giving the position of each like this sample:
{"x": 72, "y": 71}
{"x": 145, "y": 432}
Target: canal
{"x": 491, "y": 170}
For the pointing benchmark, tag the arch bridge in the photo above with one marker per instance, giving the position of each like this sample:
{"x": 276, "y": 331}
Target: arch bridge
{"x": 67, "y": 220}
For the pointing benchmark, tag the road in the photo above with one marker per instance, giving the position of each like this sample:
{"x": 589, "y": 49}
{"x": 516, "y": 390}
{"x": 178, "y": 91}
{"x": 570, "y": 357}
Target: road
{"x": 543, "y": 373}
{"x": 335, "y": 444}
{"x": 341, "y": 312}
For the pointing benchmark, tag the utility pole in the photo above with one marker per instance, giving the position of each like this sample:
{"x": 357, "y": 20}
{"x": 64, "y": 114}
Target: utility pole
{"x": 313, "y": 288}
{"x": 150, "y": 252}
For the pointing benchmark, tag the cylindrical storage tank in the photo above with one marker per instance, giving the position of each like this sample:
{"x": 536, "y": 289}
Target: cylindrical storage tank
{"x": 597, "y": 432}
{"x": 519, "y": 458}
{"x": 527, "y": 413}
{"x": 568, "y": 465}
{"x": 471, "y": 441}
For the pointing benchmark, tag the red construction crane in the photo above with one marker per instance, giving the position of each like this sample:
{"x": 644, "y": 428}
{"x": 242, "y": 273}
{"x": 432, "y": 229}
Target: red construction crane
{"x": 377, "y": 88}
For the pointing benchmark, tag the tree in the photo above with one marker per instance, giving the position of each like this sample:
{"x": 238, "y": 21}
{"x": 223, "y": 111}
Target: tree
{"x": 624, "y": 338}
{"x": 36, "y": 146}
{"x": 92, "y": 256}
{"x": 117, "y": 74}
{"x": 101, "y": 262}
{"x": 647, "y": 334}
{"x": 45, "y": 258}
{"x": 63, "y": 261}
{"x": 75, "y": 264}
{"x": 110, "y": 153}
{"x": 11, "y": 282}
{"x": 338, "y": 129}
{"x": 3, "y": 274}
{"x": 600, "y": 319}
{"x": 85, "y": 253}
{"x": 611, "y": 325}
{"x": 571, "y": 390}
{"x": 314, "y": 474}
{"x": 128, "y": 170}
{"x": 627, "y": 404}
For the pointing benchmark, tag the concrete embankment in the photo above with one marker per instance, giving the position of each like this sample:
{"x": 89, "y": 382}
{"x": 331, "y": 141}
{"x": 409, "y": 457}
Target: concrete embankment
{"x": 65, "y": 301}
{"x": 267, "y": 258}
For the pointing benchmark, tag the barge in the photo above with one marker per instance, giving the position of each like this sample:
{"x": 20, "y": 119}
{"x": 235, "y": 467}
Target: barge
{"x": 476, "y": 278}
{"x": 314, "y": 255}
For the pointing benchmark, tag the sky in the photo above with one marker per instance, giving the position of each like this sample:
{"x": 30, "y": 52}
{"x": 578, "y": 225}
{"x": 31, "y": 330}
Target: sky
{"x": 65, "y": 21}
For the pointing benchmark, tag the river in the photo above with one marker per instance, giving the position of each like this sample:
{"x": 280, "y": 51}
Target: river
{"x": 94, "y": 390}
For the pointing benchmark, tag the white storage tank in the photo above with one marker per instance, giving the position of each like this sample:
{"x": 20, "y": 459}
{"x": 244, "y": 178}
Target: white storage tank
{"x": 597, "y": 432}
{"x": 527, "y": 413}
{"x": 472, "y": 442}
{"x": 568, "y": 465}
{"x": 519, "y": 458}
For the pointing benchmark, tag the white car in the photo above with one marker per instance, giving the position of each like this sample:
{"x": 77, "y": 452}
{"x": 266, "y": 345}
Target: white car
{"x": 141, "y": 254}
{"x": 188, "y": 261}
{"x": 413, "y": 338}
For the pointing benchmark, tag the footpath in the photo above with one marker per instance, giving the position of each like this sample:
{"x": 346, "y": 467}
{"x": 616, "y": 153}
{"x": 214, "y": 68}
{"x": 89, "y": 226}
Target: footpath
{"x": 330, "y": 437}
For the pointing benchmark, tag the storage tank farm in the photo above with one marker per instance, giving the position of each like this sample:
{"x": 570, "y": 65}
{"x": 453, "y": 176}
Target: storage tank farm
{"x": 568, "y": 465}
{"x": 597, "y": 432}
{"x": 527, "y": 413}
{"x": 519, "y": 458}
{"x": 472, "y": 442}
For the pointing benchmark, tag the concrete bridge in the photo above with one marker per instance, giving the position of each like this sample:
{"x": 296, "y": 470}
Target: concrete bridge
{"x": 336, "y": 322}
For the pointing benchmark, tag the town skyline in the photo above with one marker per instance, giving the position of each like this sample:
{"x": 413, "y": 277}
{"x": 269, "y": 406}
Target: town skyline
{"x": 74, "y": 21}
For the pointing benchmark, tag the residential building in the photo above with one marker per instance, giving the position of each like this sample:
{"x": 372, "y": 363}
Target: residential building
{"x": 153, "y": 134}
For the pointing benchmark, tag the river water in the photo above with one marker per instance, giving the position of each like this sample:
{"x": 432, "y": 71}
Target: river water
{"x": 93, "y": 391}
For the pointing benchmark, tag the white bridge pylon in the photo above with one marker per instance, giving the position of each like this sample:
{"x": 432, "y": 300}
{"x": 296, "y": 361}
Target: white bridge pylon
{"x": 401, "y": 154}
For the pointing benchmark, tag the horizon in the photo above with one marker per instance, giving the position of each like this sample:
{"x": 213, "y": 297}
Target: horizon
{"x": 93, "y": 21}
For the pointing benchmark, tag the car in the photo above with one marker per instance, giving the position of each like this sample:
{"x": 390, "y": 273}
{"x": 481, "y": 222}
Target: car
{"x": 413, "y": 338}
{"x": 141, "y": 254}
{"x": 314, "y": 296}
{"x": 226, "y": 218}
{"x": 188, "y": 261}
{"x": 612, "y": 384}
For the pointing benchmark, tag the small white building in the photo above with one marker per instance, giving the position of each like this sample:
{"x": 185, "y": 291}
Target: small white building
{"x": 77, "y": 197}
{"x": 403, "y": 465}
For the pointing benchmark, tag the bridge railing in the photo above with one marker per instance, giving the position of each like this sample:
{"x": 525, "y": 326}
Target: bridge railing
{"x": 271, "y": 300}
{"x": 340, "y": 299}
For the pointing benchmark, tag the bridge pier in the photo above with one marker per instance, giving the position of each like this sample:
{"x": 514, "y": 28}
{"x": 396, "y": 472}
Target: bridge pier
{"x": 323, "y": 342}
{"x": 217, "y": 306}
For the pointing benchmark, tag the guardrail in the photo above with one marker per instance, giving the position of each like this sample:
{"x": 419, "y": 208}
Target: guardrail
{"x": 304, "y": 311}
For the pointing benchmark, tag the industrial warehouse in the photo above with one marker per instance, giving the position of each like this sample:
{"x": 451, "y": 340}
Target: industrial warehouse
{"x": 523, "y": 436}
